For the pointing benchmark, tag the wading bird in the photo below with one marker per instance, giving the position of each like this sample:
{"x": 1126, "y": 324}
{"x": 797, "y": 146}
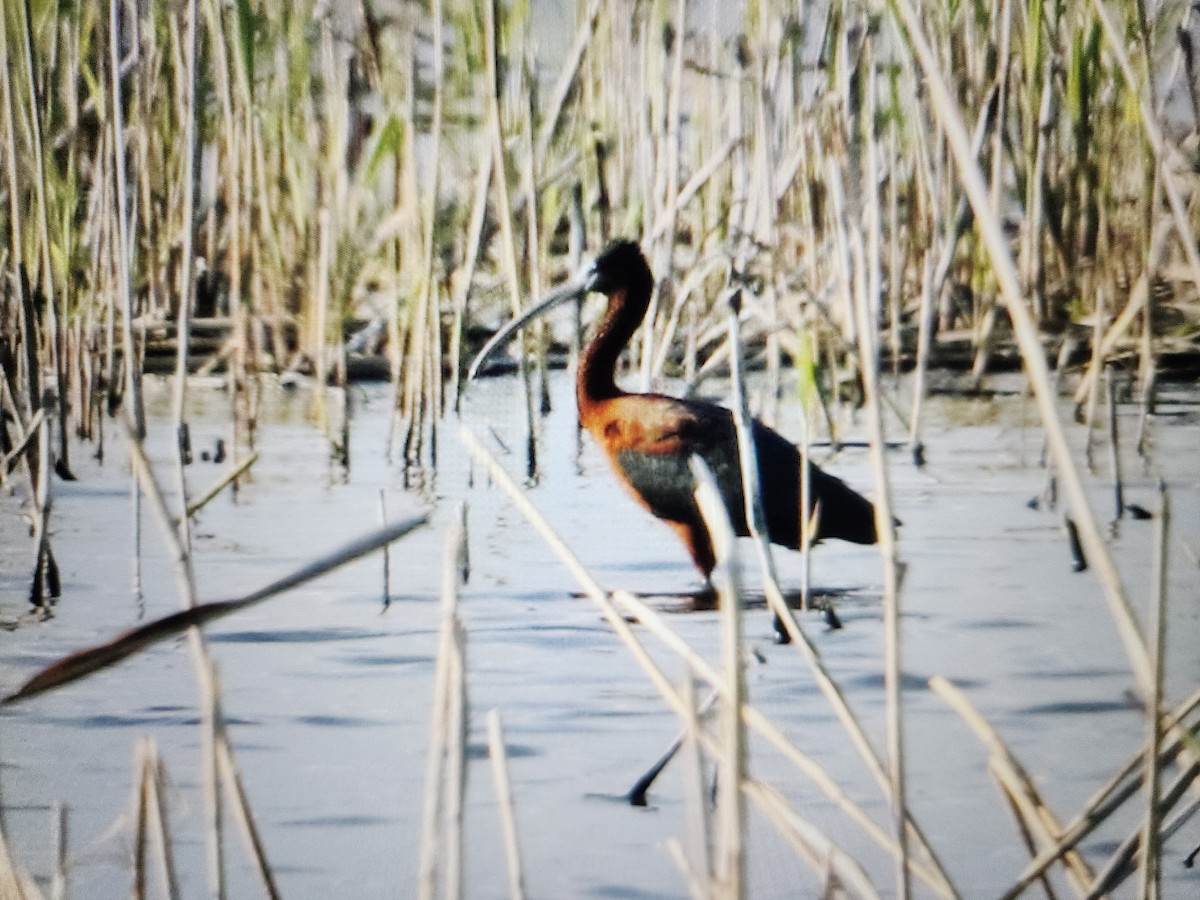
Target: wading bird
{"x": 649, "y": 438}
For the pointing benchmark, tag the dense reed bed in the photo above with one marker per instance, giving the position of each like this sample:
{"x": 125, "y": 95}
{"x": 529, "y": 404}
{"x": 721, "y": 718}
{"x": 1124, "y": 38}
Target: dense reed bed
{"x": 296, "y": 190}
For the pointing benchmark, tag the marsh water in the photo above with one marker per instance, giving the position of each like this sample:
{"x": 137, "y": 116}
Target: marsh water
{"x": 327, "y": 691}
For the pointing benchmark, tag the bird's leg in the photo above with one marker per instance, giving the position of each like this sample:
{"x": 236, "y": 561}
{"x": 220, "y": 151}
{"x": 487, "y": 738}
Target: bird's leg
{"x": 706, "y": 596}
{"x": 699, "y": 546}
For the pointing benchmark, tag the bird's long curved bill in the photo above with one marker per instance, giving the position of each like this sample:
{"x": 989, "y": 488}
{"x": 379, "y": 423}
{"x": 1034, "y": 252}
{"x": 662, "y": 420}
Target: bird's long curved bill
{"x": 570, "y": 290}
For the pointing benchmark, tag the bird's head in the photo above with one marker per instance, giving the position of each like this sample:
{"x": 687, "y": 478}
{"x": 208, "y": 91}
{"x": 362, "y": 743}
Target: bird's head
{"x": 620, "y": 265}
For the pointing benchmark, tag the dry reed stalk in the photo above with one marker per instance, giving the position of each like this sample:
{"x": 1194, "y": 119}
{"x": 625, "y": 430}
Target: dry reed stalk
{"x": 779, "y": 605}
{"x": 1035, "y": 814}
{"x": 387, "y": 552}
{"x": 93, "y": 659}
{"x": 59, "y": 880}
{"x": 456, "y": 764}
{"x": 188, "y": 274}
{"x": 567, "y": 78}
{"x": 504, "y": 799}
{"x": 320, "y": 330}
{"x": 1157, "y": 633}
{"x": 698, "y": 888}
{"x": 508, "y": 245}
{"x": 637, "y": 793}
{"x": 1114, "y": 446}
{"x": 442, "y": 809}
{"x": 239, "y": 803}
{"x": 1164, "y": 153}
{"x": 1028, "y": 340}
{"x": 702, "y": 177}
{"x": 210, "y": 714}
{"x": 1123, "y": 785}
{"x": 219, "y": 762}
{"x": 15, "y": 883}
{"x": 45, "y": 570}
{"x": 152, "y": 820}
{"x": 730, "y": 862}
{"x": 925, "y": 313}
{"x": 124, "y": 244}
{"x": 40, "y": 179}
{"x": 23, "y": 443}
{"x": 1138, "y": 298}
{"x": 140, "y": 814}
{"x": 1098, "y": 366}
{"x": 698, "y": 830}
{"x": 808, "y": 840}
{"x": 466, "y": 274}
{"x": 1125, "y": 859}
{"x": 7, "y": 105}
{"x": 747, "y": 459}
{"x": 530, "y": 170}
{"x": 665, "y": 190}
{"x": 928, "y": 870}
{"x": 194, "y": 507}
{"x": 868, "y": 356}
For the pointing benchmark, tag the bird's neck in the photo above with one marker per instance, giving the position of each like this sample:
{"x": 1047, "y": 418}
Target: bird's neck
{"x": 598, "y": 366}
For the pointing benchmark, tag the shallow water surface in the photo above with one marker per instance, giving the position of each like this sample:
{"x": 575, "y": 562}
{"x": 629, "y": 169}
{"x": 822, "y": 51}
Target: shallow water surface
{"x": 327, "y": 692}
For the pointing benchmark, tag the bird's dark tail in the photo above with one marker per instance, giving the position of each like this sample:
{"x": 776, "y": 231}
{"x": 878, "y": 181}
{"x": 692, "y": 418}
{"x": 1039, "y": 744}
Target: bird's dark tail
{"x": 844, "y": 513}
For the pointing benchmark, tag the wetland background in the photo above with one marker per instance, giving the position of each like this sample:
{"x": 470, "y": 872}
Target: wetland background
{"x": 996, "y": 202}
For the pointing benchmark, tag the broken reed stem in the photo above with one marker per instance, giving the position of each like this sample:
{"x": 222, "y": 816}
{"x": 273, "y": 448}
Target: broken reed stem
{"x": 1037, "y": 826}
{"x": 928, "y": 869}
{"x": 23, "y": 443}
{"x": 1157, "y": 633}
{"x": 637, "y": 794}
{"x": 1123, "y": 862}
{"x": 508, "y": 819}
{"x": 220, "y": 484}
{"x": 1123, "y": 785}
{"x": 93, "y": 659}
{"x": 730, "y": 866}
{"x": 1035, "y": 814}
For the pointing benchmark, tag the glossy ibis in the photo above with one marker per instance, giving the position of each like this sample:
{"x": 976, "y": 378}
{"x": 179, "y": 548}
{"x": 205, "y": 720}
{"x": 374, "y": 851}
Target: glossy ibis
{"x": 649, "y": 438}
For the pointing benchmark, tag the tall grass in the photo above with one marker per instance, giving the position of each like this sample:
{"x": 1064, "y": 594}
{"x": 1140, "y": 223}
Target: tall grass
{"x": 382, "y": 180}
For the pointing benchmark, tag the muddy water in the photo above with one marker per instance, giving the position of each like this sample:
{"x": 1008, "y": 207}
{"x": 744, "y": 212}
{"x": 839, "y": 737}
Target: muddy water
{"x": 327, "y": 692}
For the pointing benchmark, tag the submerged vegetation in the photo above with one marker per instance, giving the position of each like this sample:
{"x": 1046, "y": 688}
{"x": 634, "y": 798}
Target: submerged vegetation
{"x": 297, "y": 189}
